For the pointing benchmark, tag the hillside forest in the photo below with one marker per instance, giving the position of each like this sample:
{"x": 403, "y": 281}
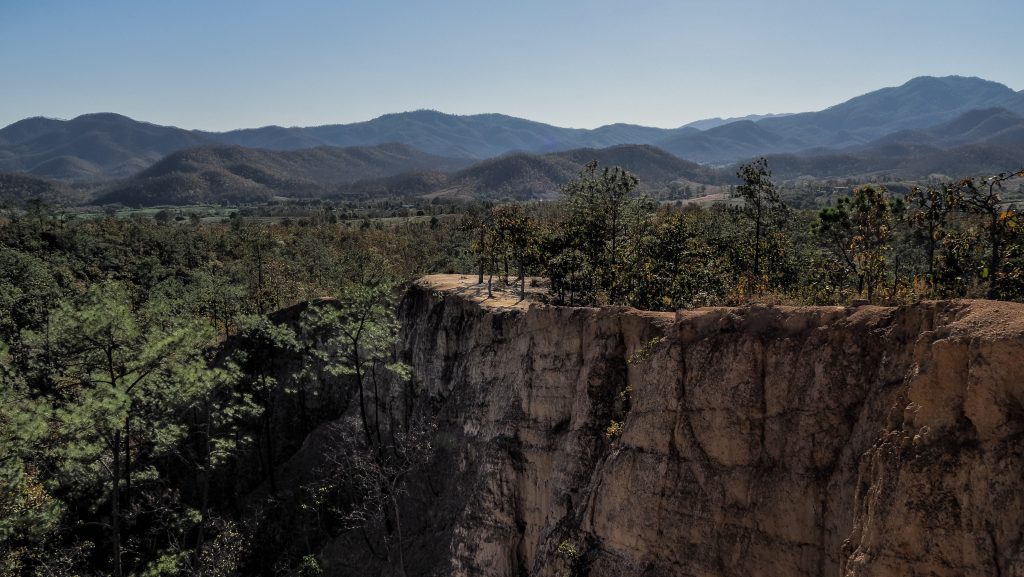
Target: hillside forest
{"x": 163, "y": 377}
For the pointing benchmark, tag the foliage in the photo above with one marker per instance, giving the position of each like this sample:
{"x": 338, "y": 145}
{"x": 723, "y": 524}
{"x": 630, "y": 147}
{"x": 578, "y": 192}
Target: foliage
{"x": 594, "y": 245}
{"x": 572, "y": 557}
{"x": 146, "y": 388}
{"x": 764, "y": 210}
{"x": 1000, "y": 223}
{"x": 859, "y": 231}
{"x": 613, "y": 431}
{"x": 603, "y": 244}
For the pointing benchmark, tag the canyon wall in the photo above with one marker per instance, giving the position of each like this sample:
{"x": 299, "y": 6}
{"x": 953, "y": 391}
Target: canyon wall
{"x": 775, "y": 441}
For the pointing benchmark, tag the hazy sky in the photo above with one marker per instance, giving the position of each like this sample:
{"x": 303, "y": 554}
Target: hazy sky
{"x": 221, "y": 64}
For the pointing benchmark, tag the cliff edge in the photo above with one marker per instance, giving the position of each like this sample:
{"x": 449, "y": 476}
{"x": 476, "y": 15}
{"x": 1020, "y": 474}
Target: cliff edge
{"x": 775, "y": 441}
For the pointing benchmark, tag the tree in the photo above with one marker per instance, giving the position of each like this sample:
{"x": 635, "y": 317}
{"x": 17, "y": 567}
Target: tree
{"x": 29, "y": 513}
{"x": 261, "y": 347}
{"x": 675, "y": 266}
{"x": 257, "y": 250}
{"x": 216, "y": 435}
{"x": 603, "y": 217}
{"x": 361, "y": 331}
{"x": 858, "y": 231}
{"x": 1001, "y": 223}
{"x": 477, "y": 221}
{"x": 929, "y": 215}
{"x": 366, "y": 485}
{"x": 511, "y": 235}
{"x": 122, "y": 372}
{"x": 761, "y": 205}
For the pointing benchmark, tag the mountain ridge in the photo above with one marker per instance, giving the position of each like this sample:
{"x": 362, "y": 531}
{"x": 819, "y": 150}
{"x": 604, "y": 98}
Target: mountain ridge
{"x": 104, "y": 146}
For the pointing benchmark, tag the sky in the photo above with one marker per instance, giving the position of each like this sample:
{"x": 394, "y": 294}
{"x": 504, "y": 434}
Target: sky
{"x": 224, "y": 64}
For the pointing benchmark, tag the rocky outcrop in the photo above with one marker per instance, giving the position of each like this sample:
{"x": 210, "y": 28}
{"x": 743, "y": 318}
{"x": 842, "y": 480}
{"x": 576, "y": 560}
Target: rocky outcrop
{"x": 774, "y": 441}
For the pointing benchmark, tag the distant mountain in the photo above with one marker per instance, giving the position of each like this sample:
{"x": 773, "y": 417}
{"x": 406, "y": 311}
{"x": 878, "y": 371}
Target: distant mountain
{"x": 17, "y": 188}
{"x": 89, "y": 147}
{"x": 919, "y": 103}
{"x": 523, "y": 176}
{"x": 416, "y": 183}
{"x": 709, "y": 123}
{"x": 653, "y": 166}
{"x": 897, "y": 161}
{"x": 477, "y": 136}
{"x": 985, "y": 141}
{"x": 28, "y": 129}
{"x": 987, "y": 126}
{"x": 237, "y": 174}
{"x": 108, "y": 146}
{"x": 726, "y": 143}
{"x": 324, "y": 164}
{"x": 517, "y": 176}
{"x": 1012, "y": 102}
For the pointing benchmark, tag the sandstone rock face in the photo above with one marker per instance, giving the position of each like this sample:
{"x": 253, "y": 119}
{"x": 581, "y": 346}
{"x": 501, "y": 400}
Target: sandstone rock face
{"x": 771, "y": 441}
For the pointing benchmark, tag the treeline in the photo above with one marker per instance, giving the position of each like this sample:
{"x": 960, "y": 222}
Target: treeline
{"x": 604, "y": 244}
{"x": 156, "y": 376}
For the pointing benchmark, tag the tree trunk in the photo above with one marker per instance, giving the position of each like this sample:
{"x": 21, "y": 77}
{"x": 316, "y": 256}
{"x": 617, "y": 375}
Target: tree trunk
{"x": 490, "y": 277}
{"x": 480, "y": 278}
{"x": 260, "y": 305}
{"x": 204, "y": 492}
{"x": 522, "y": 281}
{"x": 993, "y": 261}
{"x": 931, "y": 257}
{"x": 128, "y": 463}
{"x": 613, "y": 295}
{"x": 269, "y": 447}
{"x": 376, "y": 405}
{"x": 115, "y": 505}
{"x": 362, "y": 397}
{"x": 398, "y": 536}
{"x": 757, "y": 247}
{"x": 303, "y": 411}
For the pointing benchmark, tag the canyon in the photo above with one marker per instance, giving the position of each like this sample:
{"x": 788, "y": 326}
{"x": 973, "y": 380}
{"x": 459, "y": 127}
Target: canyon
{"x": 760, "y": 440}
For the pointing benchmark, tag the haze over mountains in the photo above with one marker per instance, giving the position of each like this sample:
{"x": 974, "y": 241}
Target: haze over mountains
{"x": 953, "y": 125}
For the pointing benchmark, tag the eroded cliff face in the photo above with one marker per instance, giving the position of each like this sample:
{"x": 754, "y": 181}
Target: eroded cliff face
{"x": 768, "y": 441}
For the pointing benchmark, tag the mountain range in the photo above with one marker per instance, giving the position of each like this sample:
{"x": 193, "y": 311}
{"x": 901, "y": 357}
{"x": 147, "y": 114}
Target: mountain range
{"x": 952, "y": 125}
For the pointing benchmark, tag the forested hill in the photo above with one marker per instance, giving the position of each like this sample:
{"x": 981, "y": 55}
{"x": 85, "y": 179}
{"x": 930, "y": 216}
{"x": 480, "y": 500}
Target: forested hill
{"x": 523, "y": 176}
{"x": 232, "y": 174}
{"x": 17, "y": 188}
{"x": 237, "y": 174}
{"x": 105, "y": 146}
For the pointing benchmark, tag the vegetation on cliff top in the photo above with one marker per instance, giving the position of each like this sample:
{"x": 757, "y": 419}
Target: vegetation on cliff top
{"x": 604, "y": 244}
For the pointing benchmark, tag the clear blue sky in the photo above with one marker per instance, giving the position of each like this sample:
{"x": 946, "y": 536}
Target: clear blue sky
{"x": 221, "y": 64}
